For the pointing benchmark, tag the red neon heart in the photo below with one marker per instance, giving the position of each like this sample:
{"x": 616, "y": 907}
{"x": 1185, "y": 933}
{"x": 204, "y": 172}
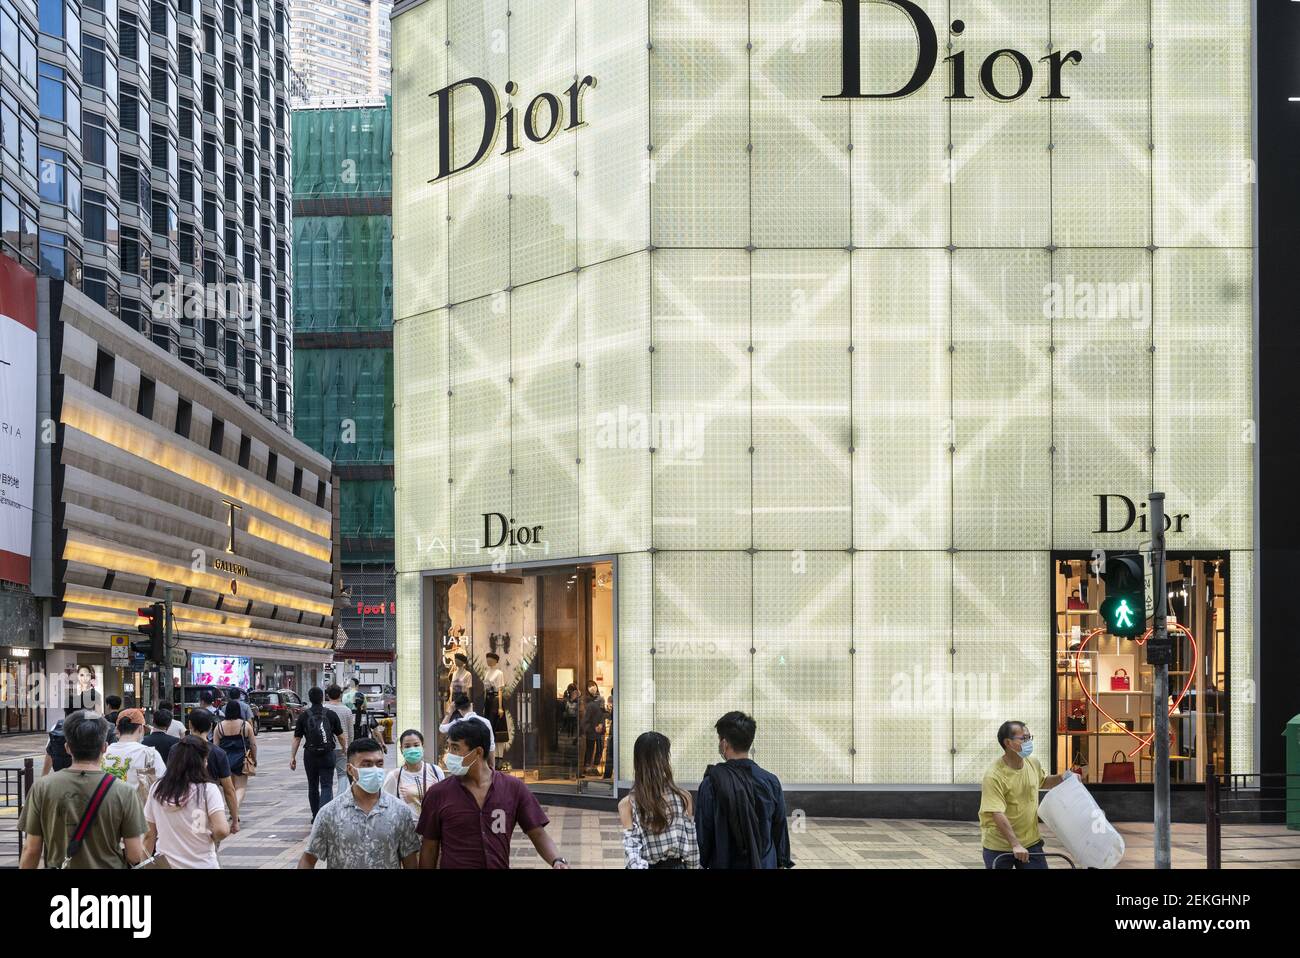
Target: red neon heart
{"x": 1142, "y": 742}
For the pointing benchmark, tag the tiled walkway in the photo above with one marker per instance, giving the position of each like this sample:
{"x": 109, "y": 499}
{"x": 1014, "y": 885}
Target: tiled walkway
{"x": 277, "y": 822}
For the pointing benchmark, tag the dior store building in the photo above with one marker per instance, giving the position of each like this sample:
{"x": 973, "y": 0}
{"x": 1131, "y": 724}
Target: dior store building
{"x": 803, "y": 358}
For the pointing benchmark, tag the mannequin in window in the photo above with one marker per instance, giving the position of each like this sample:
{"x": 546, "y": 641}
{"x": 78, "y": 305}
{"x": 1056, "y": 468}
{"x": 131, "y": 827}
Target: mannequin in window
{"x": 494, "y": 681}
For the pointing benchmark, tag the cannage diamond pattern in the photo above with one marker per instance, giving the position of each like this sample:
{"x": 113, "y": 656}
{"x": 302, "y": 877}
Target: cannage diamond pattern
{"x": 831, "y": 379}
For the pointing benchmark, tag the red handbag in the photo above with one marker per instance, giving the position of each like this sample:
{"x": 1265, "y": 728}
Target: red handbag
{"x": 1074, "y": 603}
{"x": 1119, "y": 682}
{"x": 1077, "y": 717}
{"x": 1118, "y": 771}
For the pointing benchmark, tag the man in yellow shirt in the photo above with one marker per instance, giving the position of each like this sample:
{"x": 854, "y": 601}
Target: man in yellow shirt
{"x": 1009, "y": 802}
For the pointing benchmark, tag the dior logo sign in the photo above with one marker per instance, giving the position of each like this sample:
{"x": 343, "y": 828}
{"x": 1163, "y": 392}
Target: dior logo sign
{"x": 1125, "y": 514}
{"x": 927, "y": 55}
{"x": 545, "y": 115}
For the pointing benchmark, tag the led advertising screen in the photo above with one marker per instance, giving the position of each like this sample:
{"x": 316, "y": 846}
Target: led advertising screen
{"x": 235, "y": 670}
{"x": 17, "y": 419}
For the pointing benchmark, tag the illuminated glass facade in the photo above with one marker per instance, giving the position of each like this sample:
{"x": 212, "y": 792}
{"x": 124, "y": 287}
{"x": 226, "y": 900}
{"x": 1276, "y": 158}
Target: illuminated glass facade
{"x": 834, "y": 380}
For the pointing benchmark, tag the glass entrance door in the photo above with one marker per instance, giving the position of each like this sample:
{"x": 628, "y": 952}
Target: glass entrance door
{"x": 534, "y": 640}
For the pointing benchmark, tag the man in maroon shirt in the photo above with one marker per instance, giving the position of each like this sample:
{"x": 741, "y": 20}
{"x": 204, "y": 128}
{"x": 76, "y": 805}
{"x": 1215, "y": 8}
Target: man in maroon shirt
{"x": 467, "y": 820}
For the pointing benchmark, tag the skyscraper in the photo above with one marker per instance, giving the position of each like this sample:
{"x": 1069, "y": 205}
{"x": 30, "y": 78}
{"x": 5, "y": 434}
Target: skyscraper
{"x": 146, "y": 162}
{"x": 340, "y": 49}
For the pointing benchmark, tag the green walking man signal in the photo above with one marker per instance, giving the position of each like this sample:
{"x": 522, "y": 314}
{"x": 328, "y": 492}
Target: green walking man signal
{"x": 1125, "y": 600}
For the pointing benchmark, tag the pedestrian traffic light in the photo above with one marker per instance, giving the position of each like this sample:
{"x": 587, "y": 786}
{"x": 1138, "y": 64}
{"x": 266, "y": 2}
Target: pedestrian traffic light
{"x": 154, "y": 627}
{"x": 1124, "y": 608}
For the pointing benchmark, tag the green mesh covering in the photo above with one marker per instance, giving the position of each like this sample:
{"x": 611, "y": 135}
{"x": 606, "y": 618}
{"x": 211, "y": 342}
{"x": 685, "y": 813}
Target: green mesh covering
{"x": 342, "y": 273}
{"x": 344, "y": 403}
{"x": 342, "y": 152}
{"x": 366, "y": 509}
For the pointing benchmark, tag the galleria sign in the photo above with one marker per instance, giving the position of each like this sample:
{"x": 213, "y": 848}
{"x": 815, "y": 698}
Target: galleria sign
{"x": 927, "y": 55}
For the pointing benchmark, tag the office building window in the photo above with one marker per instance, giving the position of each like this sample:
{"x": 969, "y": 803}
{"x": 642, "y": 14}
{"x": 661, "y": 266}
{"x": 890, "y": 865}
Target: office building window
{"x": 144, "y": 398}
{"x": 184, "y": 413}
{"x": 104, "y": 373}
{"x": 53, "y": 254}
{"x": 98, "y": 69}
{"x": 128, "y": 37}
{"x": 100, "y": 218}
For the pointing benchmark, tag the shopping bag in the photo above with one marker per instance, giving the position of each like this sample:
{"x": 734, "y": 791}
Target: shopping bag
{"x": 1081, "y": 826}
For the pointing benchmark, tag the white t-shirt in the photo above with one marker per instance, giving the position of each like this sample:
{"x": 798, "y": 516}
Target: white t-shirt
{"x": 445, "y": 727}
{"x": 413, "y": 785}
{"x": 495, "y": 679}
{"x": 126, "y": 759}
{"x": 461, "y": 681}
{"x": 177, "y": 729}
{"x": 185, "y": 831}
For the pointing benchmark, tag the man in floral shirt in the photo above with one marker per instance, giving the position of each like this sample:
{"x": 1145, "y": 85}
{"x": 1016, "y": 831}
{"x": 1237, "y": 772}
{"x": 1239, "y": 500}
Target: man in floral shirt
{"x": 364, "y": 827}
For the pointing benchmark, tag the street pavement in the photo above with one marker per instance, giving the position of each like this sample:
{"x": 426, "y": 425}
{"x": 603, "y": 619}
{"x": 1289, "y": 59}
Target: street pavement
{"x": 276, "y": 821}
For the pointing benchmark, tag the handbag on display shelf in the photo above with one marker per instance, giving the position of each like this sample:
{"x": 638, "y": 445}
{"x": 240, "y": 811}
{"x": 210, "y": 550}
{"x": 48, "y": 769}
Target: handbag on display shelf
{"x": 1119, "y": 682}
{"x": 1120, "y": 727}
{"x": 1075, "y": 603}
{"x": 1077, "y": 717}
{"x": 1118, "y": 771}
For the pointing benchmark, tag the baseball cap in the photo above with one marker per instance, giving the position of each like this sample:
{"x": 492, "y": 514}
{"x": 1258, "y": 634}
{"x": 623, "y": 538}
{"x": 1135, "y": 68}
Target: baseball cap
{"x": 134, "y": 716}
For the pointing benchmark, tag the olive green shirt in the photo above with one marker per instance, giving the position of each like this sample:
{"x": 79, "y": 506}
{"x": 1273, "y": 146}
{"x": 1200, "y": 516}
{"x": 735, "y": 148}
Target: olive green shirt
{"x": 54, "y": 808}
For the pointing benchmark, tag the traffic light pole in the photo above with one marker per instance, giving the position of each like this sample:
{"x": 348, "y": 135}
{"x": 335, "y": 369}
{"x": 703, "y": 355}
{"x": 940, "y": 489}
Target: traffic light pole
{"x": 165, "y": 668}
{"x": 1159, "y": 654}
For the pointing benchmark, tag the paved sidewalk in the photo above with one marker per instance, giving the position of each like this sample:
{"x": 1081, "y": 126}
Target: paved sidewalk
{"x": 277, "y": 821}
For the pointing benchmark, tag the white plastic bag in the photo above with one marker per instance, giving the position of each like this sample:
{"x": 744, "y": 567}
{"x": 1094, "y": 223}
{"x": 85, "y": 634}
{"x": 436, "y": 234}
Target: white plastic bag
{"x": 1080, "y": 824}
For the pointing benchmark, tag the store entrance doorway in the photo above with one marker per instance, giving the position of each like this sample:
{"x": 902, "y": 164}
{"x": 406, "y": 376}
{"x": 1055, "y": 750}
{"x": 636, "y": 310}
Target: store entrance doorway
{"x": 533, "y": 649}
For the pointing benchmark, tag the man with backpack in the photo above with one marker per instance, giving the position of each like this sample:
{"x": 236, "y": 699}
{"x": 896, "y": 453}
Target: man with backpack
{"x": 321, "y": 729}
{"x": 81, "y": 816}
{"x": 56, "y": 756}
{"x": 740, "y": 810}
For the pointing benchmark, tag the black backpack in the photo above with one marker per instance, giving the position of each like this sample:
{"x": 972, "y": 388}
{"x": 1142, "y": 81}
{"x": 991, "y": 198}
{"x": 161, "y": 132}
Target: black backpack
{"x": 318, "y": 735}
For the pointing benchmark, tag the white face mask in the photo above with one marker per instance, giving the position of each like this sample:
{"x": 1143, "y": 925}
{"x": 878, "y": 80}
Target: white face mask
{"x": 456, "y": 764}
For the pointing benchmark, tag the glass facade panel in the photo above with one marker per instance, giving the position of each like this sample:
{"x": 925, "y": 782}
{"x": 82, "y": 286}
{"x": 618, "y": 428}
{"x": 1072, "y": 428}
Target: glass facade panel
{"x": 838, "y": 406}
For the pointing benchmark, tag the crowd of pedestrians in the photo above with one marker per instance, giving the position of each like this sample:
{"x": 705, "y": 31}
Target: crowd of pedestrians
{"x": 156, "y": 793}
{"x": 121, "y": 790}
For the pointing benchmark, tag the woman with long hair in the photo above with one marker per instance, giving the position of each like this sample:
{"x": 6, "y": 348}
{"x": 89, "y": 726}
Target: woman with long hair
{"x": 235, "y": 737}
{"x": 657, "y": 816}
{"x": 185, "y": 812}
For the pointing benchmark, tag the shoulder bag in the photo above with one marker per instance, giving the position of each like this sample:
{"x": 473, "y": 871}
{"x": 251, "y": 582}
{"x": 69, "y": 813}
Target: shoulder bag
{"x": 250, "y": 763}
{"x": 87, "y": 819}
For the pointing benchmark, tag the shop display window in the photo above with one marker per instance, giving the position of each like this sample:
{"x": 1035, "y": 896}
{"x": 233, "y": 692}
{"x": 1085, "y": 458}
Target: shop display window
{"x": 551, "y": 631}
{"x": 1102, "y": 703}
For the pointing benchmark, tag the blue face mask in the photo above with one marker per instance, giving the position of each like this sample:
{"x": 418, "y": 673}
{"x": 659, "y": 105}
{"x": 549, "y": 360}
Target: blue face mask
{"x": 1027, "y": 748}
{"x": 371, "y": 780}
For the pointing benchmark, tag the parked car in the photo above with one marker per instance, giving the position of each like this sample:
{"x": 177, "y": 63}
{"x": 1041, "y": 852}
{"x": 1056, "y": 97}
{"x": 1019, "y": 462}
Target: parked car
{"x": 380, "y": 699}
{"x": 190, "y": 697}
{"x": 278, "y": 708}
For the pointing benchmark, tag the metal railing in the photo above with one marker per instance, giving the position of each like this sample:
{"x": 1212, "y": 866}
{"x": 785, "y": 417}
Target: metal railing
{"x": 1258, "y": 808}
{"x": 15, "y": 783}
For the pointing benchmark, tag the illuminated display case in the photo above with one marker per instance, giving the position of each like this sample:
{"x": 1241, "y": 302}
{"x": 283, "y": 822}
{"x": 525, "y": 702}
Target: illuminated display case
{"x": 836, "y": 381}
{"x": 1103, "y": 688}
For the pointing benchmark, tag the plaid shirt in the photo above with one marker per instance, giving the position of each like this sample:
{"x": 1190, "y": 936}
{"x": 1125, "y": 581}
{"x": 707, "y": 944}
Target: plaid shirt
{"x": 641, "y": 849}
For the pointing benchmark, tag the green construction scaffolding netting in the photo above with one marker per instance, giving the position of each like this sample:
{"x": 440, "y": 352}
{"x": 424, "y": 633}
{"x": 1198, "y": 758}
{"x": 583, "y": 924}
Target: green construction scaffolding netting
{"x": 342, "y": 273}
{"x": 342, "y": 152}
{"x": 366, "y": 509}
{"x": 343, "y": 403}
